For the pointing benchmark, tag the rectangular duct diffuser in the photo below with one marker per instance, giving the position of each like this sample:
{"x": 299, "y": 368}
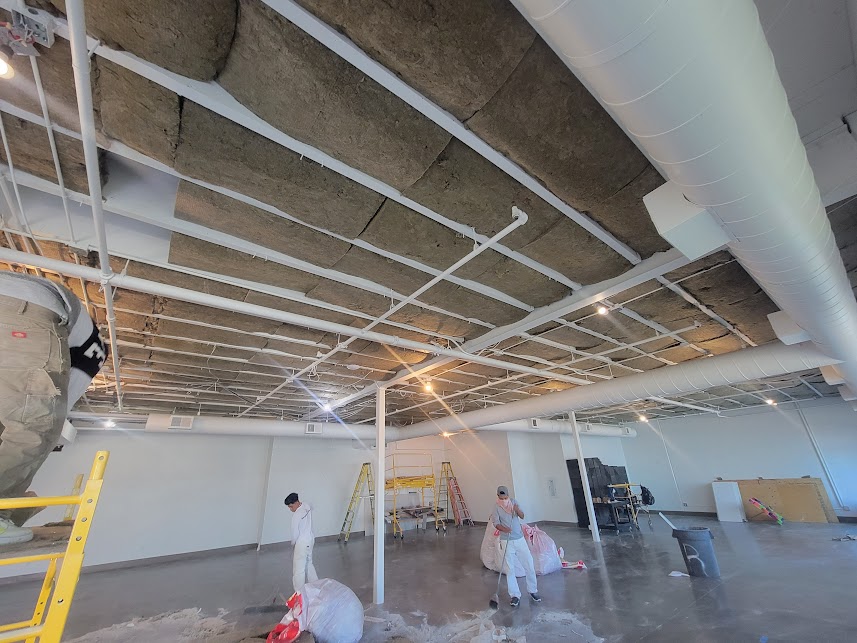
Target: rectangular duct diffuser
{"x": 313, "y": 428}
{"x": 180, "y": 423}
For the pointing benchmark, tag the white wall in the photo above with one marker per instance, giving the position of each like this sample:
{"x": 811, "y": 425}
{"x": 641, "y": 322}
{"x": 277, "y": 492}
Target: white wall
{"x": 163, "y": 494}
{"x": 481, "y": 463}
{"x": 537, "y": 461}
{"x": 768, "y": 443}
{"x": 323, "y": 473}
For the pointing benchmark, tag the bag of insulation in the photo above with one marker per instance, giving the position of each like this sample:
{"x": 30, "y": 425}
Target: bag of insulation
{"x": 325, "y": 608}
{"x": 492, "y": 555}
{"x": 545, "y": 556}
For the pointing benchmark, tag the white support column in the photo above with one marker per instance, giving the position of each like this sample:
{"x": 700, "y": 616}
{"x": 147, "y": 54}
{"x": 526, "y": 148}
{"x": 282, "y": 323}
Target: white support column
{"x": 380, "y": 452}
{"x": 587, "y": 492}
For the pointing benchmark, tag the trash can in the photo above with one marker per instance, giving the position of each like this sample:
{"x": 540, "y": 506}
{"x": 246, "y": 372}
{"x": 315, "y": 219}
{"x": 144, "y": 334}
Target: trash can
{"x": 698, "y": 551}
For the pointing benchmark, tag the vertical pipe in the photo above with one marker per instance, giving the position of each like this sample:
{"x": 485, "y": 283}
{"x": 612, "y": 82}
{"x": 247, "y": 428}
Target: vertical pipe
{"x": 821, "y": 458}
{"x": 380, "y": 452}
{"x": 43, "y": 101}
{"x": 584, "y": 477}
{"x": 660, "y": 433}
{"x": 83, "y": 89}
{"x": 264, "y": 509}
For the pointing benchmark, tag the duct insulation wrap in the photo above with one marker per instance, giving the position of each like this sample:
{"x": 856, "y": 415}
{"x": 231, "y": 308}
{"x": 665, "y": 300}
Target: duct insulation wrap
{"x": 688, "y": 377}
{"x": 207, "y": 425}
{"x": 695, "y": 85}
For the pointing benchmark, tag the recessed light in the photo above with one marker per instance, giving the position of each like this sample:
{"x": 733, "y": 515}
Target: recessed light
{"x": 6, "y": 69}
{"x": 603, "y": 310}
{"x": 642, "y": 418}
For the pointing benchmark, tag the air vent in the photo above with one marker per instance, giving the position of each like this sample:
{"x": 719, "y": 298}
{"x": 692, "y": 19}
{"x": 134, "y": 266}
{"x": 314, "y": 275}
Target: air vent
{"x": 585, "y": 428}
{"x": 180, "y": 423}
{"x": 535, "y": 423}
{"x": 626, "y": 430}
{"x": 313, "y": 428}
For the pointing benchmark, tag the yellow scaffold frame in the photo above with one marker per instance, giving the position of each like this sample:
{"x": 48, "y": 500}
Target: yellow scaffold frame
{"x": 58, "y": 589}
{"x": 410, "y": 477}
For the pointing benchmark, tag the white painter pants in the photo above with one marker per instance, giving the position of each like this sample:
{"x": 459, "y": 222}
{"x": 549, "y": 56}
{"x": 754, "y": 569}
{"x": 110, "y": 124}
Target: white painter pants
{"x": 518, "y": 549}
{"x": 302, "y": 568}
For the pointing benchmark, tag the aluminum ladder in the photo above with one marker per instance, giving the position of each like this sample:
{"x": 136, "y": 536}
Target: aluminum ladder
{"x": 363, "y": 479}
{"x": 449, "y": 487}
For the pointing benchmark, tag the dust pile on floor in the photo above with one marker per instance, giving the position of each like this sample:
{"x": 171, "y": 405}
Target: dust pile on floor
{"x": 191, "y": 625}
{"x": 481, "y": 627}
{"x": 172, "y": 627}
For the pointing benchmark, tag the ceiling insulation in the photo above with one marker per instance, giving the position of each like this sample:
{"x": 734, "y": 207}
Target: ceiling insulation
{"x": 477, "y": 59}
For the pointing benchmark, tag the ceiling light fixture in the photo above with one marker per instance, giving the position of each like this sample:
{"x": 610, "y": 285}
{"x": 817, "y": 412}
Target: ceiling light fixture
{"x": 109, "y": 424}
{"x": 603, "y": 310}
{"x": 446, "y": 434}
{"x": 6, "y": 69}
{"x": 428, "y": 387}
{"x": 770, "y": 402}
{"x": 642, "y": 418}
{"x": 327, "y": 408}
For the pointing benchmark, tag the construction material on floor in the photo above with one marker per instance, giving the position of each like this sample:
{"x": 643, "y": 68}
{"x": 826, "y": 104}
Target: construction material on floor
{"x": 796, "y": 499}
{"x": 325, "y": 608}
{"x": 546, "y": 557}
{"x": 57, "y": 592}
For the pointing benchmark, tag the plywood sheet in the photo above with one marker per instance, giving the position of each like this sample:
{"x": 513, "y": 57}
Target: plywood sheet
{"x": 796, "y": 499}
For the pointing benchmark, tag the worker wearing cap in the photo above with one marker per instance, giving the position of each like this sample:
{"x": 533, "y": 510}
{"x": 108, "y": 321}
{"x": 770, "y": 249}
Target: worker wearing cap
{"x": 303, "y": 540}
{"x": 49, "y": 352}
{"x": 507, "y": 519}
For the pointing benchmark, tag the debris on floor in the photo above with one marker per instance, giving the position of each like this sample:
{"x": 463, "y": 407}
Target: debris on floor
{"x": 846, "y": 537}
{"x": 185, "y": 626}
{"x": 475, "y": 628}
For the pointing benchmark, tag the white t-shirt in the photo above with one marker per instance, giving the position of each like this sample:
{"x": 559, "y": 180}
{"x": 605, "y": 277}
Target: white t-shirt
{"x": 302, "y": 525}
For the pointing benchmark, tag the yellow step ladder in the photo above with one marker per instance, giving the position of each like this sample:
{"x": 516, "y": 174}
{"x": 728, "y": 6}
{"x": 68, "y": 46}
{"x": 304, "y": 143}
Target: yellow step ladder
{"x": 450, "y": 491}
{"x": 54, "y": 601}
{"x": 364, "y": 479}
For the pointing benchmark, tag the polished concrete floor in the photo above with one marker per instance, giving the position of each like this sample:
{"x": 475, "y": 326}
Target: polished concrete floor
{"x": 789, "y": 583}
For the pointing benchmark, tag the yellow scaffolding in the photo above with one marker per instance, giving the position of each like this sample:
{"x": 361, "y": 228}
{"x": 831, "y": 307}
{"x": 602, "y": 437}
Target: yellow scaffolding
{"x": 52, "y": 607}
{"x": 415, "y": 473}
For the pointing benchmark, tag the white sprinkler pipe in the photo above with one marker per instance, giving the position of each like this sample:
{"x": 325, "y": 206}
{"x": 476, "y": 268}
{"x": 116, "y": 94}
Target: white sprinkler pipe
{"x": 519, "y": 218}
{"x": 206, "y": 299}
{"x": 83, "y": 89}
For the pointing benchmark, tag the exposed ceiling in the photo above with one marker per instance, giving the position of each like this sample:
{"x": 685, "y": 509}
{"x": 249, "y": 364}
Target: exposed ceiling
{"x": 243, "y": 157}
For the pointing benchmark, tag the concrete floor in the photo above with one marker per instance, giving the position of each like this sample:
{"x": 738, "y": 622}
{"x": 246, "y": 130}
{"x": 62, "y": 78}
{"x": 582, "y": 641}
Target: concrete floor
{"x": 789, "y": 583}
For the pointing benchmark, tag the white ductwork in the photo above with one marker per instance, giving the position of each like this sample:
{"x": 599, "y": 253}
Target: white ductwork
{"x": 688, "y": 377}
{"x": 695, "y": 85}
{"x": 256, "y": 427}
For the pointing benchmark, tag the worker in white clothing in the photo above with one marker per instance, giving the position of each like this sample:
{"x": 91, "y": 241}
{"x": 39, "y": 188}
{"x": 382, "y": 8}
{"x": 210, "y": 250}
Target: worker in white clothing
{"x": 507, "y": 518}
{"x": 303, "y": 540}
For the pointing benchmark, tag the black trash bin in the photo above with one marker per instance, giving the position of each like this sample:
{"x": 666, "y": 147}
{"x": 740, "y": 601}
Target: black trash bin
{"x": 697, "y": 550}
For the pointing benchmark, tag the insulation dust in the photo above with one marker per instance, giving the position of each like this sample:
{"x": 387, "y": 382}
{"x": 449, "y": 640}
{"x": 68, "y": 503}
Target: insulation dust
{"x": 173, "y": 627}
{"x": 479, "y": 627}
